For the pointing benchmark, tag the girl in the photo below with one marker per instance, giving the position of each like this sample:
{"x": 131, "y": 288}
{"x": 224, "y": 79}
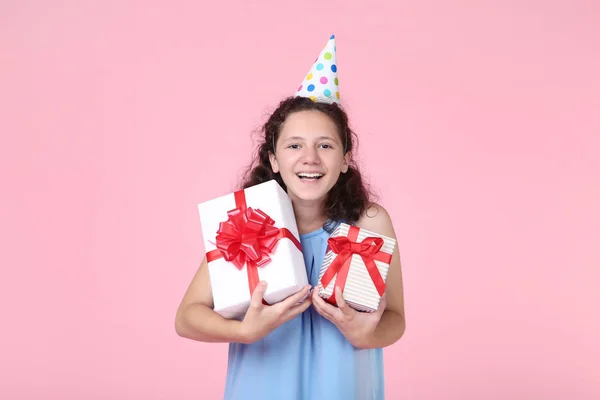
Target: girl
{"x": 309, "y": 349}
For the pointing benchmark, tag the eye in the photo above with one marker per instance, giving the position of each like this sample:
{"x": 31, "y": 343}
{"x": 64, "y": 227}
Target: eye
{"x": 293, "y": 146}
{"x": 326, "y": 146}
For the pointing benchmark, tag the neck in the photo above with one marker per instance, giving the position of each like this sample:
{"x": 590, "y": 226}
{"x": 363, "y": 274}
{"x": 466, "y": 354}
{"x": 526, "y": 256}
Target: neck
{"x": 309, "y": 215}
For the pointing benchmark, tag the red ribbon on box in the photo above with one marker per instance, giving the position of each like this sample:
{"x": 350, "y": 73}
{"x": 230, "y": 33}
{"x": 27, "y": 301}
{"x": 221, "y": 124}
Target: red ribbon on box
{"x": 345, "y": 247}
{"x": 247, "y": 238}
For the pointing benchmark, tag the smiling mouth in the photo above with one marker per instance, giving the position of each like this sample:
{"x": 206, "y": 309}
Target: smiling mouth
{"x": 309, "y": 176}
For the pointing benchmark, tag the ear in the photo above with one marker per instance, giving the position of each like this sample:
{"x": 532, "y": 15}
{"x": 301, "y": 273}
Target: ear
{"x": 346, "y": 162}
{"x": 273, "y": 160}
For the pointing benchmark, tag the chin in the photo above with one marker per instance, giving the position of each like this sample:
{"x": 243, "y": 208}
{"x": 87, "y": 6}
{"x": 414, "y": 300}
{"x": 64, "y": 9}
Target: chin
{"x": 314, "y": 191}
{"x": 309, "y": 197}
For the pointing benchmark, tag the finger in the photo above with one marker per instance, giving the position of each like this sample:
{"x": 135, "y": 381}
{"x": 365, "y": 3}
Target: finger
{"x": 382, "y": 304}
{"x": 259, "y": 292}
{"x": 295, "y": 298}
{"x": 316, "y": 301}
{"x": 341, "y": 303}
{"x": 298, "y": 309}
{"x": 324, "y": 308}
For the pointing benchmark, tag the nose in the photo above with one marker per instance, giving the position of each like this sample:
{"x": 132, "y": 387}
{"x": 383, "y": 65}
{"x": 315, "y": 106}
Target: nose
{"x": 310, "y": 155}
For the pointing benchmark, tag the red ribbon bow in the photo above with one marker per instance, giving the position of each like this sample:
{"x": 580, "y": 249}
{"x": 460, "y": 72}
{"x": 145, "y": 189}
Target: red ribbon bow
{"x": 247, "y": 238}
{"x": 368, "y": 249}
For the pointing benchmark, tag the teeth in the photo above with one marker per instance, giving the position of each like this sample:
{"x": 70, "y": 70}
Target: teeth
{"x": 306, "y": 175}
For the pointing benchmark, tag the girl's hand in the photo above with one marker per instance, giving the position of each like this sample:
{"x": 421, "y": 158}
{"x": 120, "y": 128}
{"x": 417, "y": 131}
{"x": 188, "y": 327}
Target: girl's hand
{"x": 261, "y": 319}
{"x": 357, "y": 327}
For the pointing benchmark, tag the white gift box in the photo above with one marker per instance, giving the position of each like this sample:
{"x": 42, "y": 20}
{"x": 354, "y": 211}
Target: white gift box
{"x": 359, "y": 290}
{"x": 285, "y": 273}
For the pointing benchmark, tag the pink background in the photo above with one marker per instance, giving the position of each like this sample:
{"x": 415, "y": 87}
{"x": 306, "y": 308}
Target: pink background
{"x": 479, "y": 127}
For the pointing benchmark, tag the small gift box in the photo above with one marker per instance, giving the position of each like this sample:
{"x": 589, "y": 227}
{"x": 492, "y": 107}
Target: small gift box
{"x": 357, "y": 261}
{"x": 249, "y": 236}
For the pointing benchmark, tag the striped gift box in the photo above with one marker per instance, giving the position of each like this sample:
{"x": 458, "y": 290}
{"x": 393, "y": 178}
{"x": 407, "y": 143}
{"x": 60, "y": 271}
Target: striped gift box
{"x": 359, "y": 290}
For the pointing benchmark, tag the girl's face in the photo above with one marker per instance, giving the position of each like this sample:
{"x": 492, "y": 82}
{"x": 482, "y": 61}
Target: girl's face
{"x": 309, "y": 155}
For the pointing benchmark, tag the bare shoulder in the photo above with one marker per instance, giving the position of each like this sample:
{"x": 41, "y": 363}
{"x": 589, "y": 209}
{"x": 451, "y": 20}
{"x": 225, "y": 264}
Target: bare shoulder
{"x": 376, "y": 219}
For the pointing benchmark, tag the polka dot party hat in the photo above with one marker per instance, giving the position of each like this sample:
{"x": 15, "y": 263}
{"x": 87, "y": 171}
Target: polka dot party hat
{"x": 321, "y": 82}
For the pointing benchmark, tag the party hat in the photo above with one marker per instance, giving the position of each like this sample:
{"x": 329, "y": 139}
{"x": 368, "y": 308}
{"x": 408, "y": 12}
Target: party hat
{"x": 321, "y": 82}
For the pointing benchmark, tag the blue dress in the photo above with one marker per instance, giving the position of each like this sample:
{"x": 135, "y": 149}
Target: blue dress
{"x": 307, "y": 357}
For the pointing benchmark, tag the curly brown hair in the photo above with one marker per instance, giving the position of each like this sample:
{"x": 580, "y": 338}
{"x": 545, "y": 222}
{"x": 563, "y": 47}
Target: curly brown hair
{"x": 350, "y": 196}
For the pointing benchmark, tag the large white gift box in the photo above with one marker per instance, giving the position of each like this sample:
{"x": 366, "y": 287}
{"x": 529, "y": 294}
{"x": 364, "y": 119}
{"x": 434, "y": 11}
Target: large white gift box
{"x": 357, "y": 261}
{"x": 250, "y": 236}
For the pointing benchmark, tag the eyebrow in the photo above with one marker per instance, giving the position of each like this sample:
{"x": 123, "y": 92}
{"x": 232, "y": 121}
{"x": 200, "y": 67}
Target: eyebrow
{"x": 319, "y": 138}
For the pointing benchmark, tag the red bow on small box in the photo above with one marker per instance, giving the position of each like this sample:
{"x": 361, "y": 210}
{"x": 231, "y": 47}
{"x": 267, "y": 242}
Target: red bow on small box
{"x": 368, "y": 249}
{"x": 248, "y": 237}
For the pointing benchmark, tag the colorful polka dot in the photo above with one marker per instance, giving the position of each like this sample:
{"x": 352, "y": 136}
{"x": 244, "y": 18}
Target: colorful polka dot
{"x": 313, "y": 98}
{"x": 310, "y": 88}
{"x": 327, "y": 56}
{"x": 299, "y": 88}
{"x": 323, "y": 80}
{"x": 336, "y": 81}
{"x": 309, "y": 77}
{"x": 337, "y": 94}
{"x": 327, "y": 92}
{"x": 320, "y": 66}
{"x": 332, "y": 37}
{"x": 333, "y": 68}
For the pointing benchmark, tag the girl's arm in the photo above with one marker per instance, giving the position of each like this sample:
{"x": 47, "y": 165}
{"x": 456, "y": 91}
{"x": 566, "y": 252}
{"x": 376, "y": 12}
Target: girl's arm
{"x": 195, "y": 318}
{"x": 392, "y": 325}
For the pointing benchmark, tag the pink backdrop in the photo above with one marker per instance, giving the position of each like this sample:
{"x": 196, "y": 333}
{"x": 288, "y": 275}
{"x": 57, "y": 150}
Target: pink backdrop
{"x": 480, "y": 130}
